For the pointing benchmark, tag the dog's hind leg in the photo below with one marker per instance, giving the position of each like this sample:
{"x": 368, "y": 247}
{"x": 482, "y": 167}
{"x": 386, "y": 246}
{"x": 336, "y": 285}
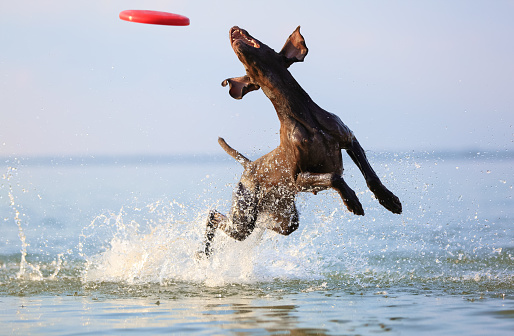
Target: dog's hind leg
{"x": 243, "y": 214}
{"x": 241, "y": 222}
{"x": 384, "y": 196}
{"x": 213, "y": 221}
{"x": 285, "y": 216}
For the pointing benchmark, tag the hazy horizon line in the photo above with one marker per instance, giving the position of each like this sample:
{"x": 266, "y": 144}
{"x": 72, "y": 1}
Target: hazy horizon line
{"x": 221, "y": 158}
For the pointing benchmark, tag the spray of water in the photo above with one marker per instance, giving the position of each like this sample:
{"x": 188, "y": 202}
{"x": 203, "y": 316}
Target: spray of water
{"x": 158, "y": 243}
{"x": 27, "y": 270}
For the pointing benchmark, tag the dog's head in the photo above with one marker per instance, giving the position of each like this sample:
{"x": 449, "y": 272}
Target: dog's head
{"x": 263, "y": 64}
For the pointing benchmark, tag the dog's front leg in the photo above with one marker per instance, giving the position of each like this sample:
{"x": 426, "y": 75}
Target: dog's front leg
{"x": 384, "y": 196}
{"x": 313, "y": 182}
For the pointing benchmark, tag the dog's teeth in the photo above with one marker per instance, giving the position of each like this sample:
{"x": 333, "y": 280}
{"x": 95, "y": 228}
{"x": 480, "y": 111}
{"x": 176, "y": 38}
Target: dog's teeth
{"x": 239, "y": 35}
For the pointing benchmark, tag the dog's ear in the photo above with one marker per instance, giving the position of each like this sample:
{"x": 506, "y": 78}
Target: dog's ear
{"x": 295, "y": 49}
{"x": 239, "y": 86}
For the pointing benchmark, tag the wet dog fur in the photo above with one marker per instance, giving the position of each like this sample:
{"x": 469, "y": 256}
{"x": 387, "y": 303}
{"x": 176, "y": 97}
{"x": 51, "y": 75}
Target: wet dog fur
{"x": 308, "y": 158}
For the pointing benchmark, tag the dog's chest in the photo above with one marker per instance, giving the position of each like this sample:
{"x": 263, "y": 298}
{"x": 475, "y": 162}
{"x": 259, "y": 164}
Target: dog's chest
{"x": 313, "y": 148}
{"x": 310, "y": 139}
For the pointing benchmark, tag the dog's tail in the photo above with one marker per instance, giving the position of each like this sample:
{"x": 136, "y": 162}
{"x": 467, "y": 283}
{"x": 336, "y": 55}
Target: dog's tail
{"x": 234, "y": 153}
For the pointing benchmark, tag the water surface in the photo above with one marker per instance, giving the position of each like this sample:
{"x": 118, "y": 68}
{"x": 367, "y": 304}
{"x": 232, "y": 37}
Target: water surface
{"x": 107, "y": 247}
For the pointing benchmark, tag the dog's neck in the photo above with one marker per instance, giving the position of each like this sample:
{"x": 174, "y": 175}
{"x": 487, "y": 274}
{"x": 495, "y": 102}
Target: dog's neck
{"x": 291, "y": 101}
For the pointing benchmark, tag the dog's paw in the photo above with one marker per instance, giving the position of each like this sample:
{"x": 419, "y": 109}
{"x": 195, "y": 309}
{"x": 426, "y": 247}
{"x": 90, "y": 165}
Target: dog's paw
{"x": 352, "y": 202}
{"x": 354, "y": 205}
{"x": 386, "y": 198}
{"x": 205, "y": 251}
{"x": 349, "y": 197}
{"x": 202, "y": 255}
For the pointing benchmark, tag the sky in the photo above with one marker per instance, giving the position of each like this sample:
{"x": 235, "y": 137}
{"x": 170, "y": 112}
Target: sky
{"x": 75, "y": 80}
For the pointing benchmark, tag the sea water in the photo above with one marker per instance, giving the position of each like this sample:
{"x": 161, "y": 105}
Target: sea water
{"x": 107, "y": 246}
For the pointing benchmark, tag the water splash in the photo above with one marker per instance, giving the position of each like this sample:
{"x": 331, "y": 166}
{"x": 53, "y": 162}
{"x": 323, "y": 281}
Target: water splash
{"x": 159, "y": 244}
{"x": 27, "y": 270}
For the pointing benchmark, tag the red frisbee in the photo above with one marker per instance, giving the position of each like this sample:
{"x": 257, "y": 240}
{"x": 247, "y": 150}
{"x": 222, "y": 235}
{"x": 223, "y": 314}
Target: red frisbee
{"x": 154, "y": 17}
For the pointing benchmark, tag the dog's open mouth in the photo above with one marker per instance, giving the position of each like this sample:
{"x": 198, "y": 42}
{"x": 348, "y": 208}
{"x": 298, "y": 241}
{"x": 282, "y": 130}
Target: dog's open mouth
{"x": 237, "y": 34}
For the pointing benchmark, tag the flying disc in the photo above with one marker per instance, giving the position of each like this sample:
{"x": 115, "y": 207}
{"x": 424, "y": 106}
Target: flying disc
{"x": 154, "y": 17}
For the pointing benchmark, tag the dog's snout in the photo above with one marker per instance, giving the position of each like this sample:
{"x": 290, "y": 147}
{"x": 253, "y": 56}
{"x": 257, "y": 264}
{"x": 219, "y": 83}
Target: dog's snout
{"x": 238, "y": 34}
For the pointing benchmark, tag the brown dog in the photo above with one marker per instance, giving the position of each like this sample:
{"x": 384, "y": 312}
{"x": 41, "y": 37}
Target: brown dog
{"x": 308, "y": 158}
